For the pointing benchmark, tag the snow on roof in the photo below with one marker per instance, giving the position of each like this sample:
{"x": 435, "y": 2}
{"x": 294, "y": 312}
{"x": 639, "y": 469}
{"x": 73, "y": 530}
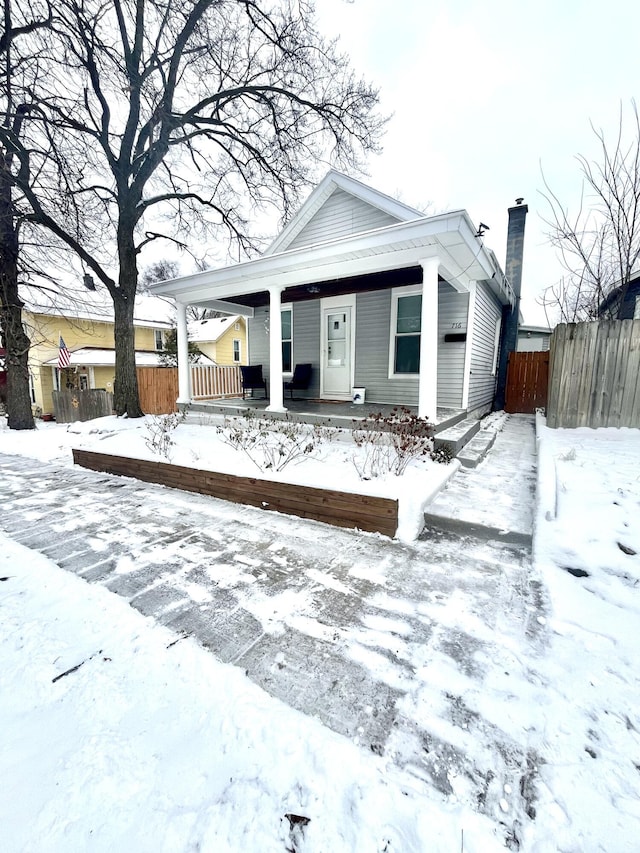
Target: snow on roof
{"x": 94, "y": 357}
{"x": 85, "y": 304}
{"x": 211, "y": 329}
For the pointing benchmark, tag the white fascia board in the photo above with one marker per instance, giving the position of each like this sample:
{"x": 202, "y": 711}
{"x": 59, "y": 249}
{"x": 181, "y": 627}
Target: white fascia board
{"x": 394, "y": 246}
{"x": 225, "y": 307}
{"x": 336, "y": 180}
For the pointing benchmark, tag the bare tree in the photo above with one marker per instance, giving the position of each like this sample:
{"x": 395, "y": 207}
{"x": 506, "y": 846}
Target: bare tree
{"x": 18, "y": 25}
{"x": 175, "y": 118}
{"x": 599, "y": 245}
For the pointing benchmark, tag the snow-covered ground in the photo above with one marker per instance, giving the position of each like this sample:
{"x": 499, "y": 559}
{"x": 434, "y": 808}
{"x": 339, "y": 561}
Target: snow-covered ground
{"x": 150, "y": 745}
{"x": 323, "y": 458}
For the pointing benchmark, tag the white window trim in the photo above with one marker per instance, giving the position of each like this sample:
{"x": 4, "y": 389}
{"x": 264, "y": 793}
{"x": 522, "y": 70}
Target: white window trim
{"x": 496, "y": 346}
{"x": 233, "y": 350}
{"x": 288, "y": 306}
{"x": 155, "y": 339}
{"x": 636, "y": 310}
{"x": 396, "y": 293}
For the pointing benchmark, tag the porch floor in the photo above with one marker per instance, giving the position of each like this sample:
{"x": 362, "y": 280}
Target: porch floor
{"x": 328, "y": 412}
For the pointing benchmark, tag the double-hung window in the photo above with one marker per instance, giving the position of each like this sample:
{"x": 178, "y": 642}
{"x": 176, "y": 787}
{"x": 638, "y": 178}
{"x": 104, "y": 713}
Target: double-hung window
{"x": 236, "y": 351}
{"x": 287, "y": 339}
{"x": 406, "y": 312}
{"x": 159, "y": 339}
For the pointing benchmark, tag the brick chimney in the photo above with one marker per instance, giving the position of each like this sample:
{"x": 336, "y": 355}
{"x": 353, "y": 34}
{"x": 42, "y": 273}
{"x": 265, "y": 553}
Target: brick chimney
{"x": 511, "y": 316}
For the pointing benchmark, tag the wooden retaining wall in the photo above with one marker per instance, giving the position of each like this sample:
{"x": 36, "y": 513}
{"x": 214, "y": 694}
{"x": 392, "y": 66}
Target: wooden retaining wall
{"x": 342, "y": 509}
{"x": 594, "y": 375}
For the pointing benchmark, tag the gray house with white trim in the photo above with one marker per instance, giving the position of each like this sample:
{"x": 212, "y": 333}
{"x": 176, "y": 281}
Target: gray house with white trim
{"x": 373, "y": 294}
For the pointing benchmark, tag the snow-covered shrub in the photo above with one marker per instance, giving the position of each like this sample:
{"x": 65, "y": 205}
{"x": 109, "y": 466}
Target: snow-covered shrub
{"x": 388, "y": 443}
{"x": 272, "y": 445}
{"x": 160, "y": 430}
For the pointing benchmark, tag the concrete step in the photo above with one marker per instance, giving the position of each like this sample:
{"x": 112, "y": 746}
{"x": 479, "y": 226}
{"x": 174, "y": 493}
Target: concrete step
{"x": 474, "y": 452}
{"x": 457, "y": 436}
{"x": 463, "y": 527}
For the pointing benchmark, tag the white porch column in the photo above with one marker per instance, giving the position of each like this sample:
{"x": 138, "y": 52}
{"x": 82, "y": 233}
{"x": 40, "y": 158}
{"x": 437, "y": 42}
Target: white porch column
{"x": 184, "y": 371}
{"x": 276, "y": 400}
{"x": 428, "y": 379}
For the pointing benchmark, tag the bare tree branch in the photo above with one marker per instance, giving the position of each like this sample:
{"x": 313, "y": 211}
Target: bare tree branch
{"x": 599, "y": 245}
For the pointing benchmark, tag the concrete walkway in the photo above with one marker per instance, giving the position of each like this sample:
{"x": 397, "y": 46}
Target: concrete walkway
{"x": 381, "y": 641}
{"x": 494, "y": 500}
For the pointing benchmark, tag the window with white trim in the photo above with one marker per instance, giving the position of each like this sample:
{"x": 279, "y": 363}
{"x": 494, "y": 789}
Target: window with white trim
{"x": 287, "y": 339}
{"x": 236, "y": 351}
{"x": 636, "y": 312}
{"x": 406, "y": 325}
{"x": 159, "y": 339}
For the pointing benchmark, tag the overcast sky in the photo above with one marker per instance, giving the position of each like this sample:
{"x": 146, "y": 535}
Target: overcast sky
{"x": 485, "y": 92}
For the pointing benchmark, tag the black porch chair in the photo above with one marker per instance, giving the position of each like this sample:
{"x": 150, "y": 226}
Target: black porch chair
{"x": 252, "y": 378}
{"x": 300, "y": 380}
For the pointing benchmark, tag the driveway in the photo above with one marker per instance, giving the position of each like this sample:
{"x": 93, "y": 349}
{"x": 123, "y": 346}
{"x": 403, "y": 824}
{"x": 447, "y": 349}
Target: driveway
{"x": 416, "y": 652}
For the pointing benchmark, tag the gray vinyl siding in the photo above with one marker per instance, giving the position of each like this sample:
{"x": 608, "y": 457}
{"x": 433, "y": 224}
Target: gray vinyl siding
{"x": 372, "y": 353}
{"x": 482, "y": 381}
{"x": 453, "y": 309}
{"x": 306, "y": 341}
{"x": 340, "y": 216}
{"x": 533, "y": 342}
{"x": 373, "y": 312}
{"x": 259, "y": 338}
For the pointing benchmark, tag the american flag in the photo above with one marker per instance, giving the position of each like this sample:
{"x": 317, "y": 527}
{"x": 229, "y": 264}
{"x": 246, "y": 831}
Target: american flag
{"x": 64, "y": 357}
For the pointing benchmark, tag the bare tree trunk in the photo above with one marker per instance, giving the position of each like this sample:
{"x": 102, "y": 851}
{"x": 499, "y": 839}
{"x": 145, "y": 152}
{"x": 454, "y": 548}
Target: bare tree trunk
{"x": 126, "y": 399}
{"x": 16, "y": 341}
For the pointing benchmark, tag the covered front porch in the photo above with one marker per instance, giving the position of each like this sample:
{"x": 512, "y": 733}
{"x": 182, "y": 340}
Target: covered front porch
{"x": 392, "y": 309}
{"x": 333, "y": 413}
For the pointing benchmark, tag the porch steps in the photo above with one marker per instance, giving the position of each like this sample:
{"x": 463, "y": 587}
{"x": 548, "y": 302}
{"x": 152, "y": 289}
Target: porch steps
{"x": 474, "y": 452}
{"x": 457, "y": 436}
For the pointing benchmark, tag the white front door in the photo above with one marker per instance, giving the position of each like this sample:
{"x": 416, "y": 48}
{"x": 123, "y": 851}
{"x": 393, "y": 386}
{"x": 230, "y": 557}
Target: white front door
{"x": 338, "y": 314}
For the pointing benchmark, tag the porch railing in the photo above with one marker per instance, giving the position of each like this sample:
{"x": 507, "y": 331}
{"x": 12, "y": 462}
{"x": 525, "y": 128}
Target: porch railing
{"x": 213, "y": 381}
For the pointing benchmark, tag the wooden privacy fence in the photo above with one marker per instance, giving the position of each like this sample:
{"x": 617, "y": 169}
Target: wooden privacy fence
{"x": 158, "y": 389}
{"x": 158, "y": 386}
{"x": 527, "y": 382}
{"x": 76, "y": 405}
{"x": 595, "y": 375}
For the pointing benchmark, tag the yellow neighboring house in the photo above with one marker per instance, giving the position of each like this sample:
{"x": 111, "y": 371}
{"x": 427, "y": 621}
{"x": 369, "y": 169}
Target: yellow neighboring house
{"x": 84, "y": 321}
{"x": 222, "y": 339}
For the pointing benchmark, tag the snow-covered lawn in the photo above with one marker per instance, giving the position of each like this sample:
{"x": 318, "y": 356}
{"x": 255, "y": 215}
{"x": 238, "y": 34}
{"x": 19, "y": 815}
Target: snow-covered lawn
{"x": 326, "y": 459}
{"x": 588, "y": 523}
{"x": 150, "y": 745}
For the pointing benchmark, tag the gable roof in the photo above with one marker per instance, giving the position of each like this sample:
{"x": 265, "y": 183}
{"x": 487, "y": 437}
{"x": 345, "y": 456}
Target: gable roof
{"x": 211, "y": 330}
{"x": 335, "y": 182}
{"x": 96, "y": 305}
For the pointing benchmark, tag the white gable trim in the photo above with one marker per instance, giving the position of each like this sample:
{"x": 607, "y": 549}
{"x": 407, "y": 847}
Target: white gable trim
{"x": 336, "y": 180}
{"x": 451, "y": 237}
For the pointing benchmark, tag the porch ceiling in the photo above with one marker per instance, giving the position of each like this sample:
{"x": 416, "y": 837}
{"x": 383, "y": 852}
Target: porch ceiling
{"x": 376, "y": 259}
